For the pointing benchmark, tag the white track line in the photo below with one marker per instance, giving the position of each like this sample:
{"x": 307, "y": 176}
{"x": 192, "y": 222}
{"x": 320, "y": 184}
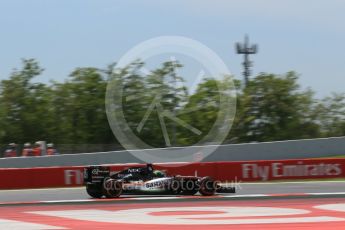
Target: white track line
{"x": 301, "y": 195}
{"x": 290, "y": 182}
{"x": 325, "y": 193}
{"x": 42, "y": 189}
{"x": 66, "y": 201}
{"x": 247, "y": 195}
{"x": 240, "y": 182}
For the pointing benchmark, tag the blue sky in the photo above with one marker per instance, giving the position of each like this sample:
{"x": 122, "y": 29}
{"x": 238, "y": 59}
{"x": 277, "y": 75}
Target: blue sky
{"x": 305, "y": 36}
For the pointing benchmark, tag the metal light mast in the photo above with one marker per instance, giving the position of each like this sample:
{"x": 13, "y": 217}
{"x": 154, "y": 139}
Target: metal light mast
{"x": 246, "y": 50}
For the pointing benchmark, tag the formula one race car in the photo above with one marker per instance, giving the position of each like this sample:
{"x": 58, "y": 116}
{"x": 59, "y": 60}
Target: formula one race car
{"x": 100, "y": 181}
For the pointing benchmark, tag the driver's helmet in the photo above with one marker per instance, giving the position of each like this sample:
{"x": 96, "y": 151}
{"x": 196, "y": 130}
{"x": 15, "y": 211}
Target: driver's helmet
{"x": 158, "y": 173}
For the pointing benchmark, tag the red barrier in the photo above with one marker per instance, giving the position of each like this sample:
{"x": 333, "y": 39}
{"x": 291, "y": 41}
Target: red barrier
{"x": 14, "y": 178}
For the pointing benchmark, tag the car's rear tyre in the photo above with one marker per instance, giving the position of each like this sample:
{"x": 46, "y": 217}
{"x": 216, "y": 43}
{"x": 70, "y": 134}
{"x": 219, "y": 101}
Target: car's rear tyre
{"x": 94, "y": 190}
{"x": 207, "y": 186}
{"x": 112, "y": 188}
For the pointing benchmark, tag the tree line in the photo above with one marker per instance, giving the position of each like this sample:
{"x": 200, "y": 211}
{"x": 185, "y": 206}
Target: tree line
{"x": 72, "y": 113}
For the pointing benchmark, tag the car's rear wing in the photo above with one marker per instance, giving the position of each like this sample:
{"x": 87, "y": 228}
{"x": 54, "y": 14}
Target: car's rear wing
{"x": 96, "y": 174}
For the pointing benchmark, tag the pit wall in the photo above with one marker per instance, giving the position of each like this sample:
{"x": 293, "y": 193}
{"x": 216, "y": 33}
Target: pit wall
{"x": 242, "y": 171}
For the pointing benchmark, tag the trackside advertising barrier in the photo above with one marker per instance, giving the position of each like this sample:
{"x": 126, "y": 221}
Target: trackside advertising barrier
{"x": 20, "y": 178}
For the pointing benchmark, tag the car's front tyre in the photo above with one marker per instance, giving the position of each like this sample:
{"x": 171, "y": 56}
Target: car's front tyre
{"x": 208, "y": 186}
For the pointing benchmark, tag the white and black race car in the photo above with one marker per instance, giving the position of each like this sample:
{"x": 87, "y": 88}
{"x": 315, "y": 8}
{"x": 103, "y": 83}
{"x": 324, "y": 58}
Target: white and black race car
{"x": 100, "y": 181}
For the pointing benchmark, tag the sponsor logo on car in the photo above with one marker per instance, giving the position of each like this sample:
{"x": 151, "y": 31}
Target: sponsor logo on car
{"x": 134, "y": 170}
{"x": 99, "y": 171}
{"x": 154, "y": 184}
